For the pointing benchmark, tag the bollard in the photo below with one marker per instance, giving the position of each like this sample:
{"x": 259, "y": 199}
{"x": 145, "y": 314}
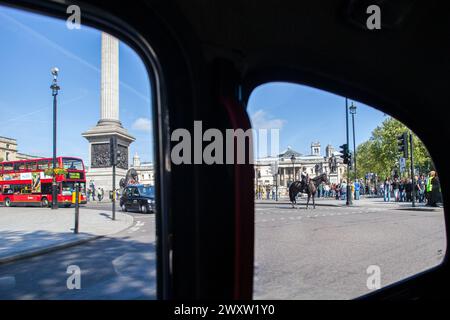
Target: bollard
{"x": 77, "y": 206}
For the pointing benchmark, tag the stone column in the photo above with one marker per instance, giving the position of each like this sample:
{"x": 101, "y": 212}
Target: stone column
{"x": 109, "y": 125}
{"x": 109, "y": 101}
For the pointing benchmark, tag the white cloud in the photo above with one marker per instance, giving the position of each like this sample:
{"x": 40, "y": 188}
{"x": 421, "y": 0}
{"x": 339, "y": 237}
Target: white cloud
{"x": 142, "y": 124}
{"x": 261, "y": 120}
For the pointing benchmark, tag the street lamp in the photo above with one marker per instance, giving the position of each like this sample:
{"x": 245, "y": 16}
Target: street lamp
{"x": 293, "y": 167}
{"x": 275, "y": 173}
{"x": 349, "y": 188}
{"x": 353, "y": 112}
{"x": 55, "y": 88}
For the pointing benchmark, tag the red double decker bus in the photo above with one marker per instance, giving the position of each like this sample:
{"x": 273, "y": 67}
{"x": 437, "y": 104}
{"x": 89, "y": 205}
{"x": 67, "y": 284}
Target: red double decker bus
{"x": 26, "y": 182}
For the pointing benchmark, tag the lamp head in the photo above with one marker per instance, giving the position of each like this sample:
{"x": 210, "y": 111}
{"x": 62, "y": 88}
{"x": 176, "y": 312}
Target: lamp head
{"x": 55, "y": 71}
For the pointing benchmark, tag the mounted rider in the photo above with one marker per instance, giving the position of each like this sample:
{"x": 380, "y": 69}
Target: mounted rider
{"x": 304, "y": 178}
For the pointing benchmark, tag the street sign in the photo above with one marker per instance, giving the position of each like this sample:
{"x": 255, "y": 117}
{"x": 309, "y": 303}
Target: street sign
{"x": 402, "y": 164}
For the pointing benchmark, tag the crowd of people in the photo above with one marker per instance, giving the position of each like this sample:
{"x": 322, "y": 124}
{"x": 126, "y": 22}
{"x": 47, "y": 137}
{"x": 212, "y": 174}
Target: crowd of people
{"x": 427, "y": 190}
{"x": 98, "y": 193}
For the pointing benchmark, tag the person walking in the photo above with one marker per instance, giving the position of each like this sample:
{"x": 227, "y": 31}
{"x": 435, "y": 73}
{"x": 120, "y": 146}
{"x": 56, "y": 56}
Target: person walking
{"x": 434, "y": 189}
{"x": 408, "y": 190}
{"x": 401, "y": 190}
{"x": 357, "y": 188}
{"x": 387, "y": 190}
{"x": 421, "y": 188}
{"x": 343, "y": 189}
{"x": 429, "y": 187}
{"x": 396, "y": 188}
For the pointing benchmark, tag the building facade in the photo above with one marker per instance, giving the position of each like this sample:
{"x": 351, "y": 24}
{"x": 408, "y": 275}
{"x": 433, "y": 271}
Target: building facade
{"x": 9, "y": 151}
{"x": 145, "y": 170}
{"x": 281, "y": 171}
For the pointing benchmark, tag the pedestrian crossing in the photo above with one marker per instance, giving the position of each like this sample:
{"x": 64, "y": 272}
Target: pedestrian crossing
{"x": 267, "y": 215}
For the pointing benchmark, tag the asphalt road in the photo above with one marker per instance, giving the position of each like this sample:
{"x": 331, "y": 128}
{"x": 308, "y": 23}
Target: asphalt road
{"x": 325, "y": 253}
{"x": 300, "y": 254}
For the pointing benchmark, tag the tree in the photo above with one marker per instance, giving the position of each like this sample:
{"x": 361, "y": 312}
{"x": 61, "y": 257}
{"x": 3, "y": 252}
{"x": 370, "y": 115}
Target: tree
{"x": 380, "y": 153}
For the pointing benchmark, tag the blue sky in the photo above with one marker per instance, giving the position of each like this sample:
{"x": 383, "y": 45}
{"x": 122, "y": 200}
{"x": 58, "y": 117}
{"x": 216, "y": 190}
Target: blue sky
{"x": 33, "y": 44}
{"x": 305, "y": 115}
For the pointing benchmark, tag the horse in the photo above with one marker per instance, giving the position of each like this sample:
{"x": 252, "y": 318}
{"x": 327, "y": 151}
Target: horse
{"x": 308, "y": 188}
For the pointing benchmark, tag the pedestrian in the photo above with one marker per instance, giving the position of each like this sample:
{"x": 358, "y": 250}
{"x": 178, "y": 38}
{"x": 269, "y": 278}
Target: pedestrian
{"x": 343, "y": 189}
{"x": 401, "y": 190}
{"x": 387, "y": 189}
{"x": 421, "y": 188}
{"x": 396, "y": 188}
{"x": 434, "y": 190}
{"x": 357, "y": 189}
{"x": 408, "y": 190}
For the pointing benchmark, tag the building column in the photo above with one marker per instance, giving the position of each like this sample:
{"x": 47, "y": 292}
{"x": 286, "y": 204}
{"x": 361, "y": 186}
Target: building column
{"x": 109, "y": 109}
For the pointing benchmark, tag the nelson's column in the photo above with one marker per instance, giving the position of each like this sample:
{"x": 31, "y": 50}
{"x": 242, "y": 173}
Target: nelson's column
{"x": 109, "y": 125}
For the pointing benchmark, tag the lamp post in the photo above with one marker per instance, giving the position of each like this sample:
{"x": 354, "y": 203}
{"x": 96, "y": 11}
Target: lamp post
{"x": 353, "y": 112}
{"x": 55, "y": 88}
{"x": 349, "y": 188}
{"x": 293, "y": 167}
{"x": 275, "y": 174}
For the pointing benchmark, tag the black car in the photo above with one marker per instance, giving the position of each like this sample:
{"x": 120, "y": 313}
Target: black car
{"x": 138, "y": 198}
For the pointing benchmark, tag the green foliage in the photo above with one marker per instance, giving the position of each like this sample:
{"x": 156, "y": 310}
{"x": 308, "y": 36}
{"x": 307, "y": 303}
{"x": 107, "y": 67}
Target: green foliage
{"x": 380, "y": 153}
{"x": 58, "y": 171}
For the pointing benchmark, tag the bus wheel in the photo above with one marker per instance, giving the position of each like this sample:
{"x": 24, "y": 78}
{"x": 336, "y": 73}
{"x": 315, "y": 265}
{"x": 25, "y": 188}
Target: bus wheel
{"x": 7, "y": 202}
{"x": 44, "y": 203}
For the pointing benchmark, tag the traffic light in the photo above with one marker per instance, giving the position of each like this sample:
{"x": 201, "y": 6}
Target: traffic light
{"x": 350, "y": 161}
{"x": 345, "y": 153}
{"x": 113, "y": 150}
{"x": 403, "y": 144}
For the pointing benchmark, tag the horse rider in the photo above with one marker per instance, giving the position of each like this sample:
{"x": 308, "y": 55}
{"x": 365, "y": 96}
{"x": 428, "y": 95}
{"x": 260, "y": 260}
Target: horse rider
{"x": 305, "y": 178}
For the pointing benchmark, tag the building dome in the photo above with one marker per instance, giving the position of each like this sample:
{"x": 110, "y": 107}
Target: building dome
{"x": 136, "y": 160}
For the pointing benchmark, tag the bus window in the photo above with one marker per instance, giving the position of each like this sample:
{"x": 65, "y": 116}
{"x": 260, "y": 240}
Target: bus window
{"x": 19, "y": 166}
{"x": 72, "y": 164}
{"x": 8, "y": 167}
{"x": 43, "y": 164}
{"x": 30, "y": 165}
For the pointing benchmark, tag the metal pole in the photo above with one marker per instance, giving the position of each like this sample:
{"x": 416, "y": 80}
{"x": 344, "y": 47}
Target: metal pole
{"x": 354, "y": 145}
{"x": 257, "y": 187}
{"x": 114, "y": 192}
{"x": 413, "y": 178}
{"x": 77, "y": 206}
{"x": 54, "y": 183}
{"x": 276, "y": 186}
{"x": 349, "y": 189}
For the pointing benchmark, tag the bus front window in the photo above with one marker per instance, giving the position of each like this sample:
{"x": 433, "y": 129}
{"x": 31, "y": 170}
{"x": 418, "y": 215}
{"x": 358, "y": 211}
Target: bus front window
{"x": 72, "y": 164}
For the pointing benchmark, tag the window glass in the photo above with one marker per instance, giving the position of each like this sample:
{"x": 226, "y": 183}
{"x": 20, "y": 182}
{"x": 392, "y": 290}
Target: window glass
{"x": 8, "y": 166}
{"x": 72, "y": 164}
{"x": 338, "y": 215}
{"x": 43, "y": 164}
{"x": 104, "y": 108}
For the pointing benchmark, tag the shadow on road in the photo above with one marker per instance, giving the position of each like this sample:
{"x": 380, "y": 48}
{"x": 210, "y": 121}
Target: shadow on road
{"x": 111, "y": 268}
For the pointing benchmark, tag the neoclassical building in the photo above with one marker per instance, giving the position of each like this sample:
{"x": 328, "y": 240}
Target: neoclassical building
{"x": 145, "y": 170}
{"x": 9, "y": 152}
{"x": 291, "y": 163}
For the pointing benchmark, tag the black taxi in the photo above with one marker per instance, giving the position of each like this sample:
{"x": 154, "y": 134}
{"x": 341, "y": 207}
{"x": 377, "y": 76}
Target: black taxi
{"x": 139, "y": 198}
